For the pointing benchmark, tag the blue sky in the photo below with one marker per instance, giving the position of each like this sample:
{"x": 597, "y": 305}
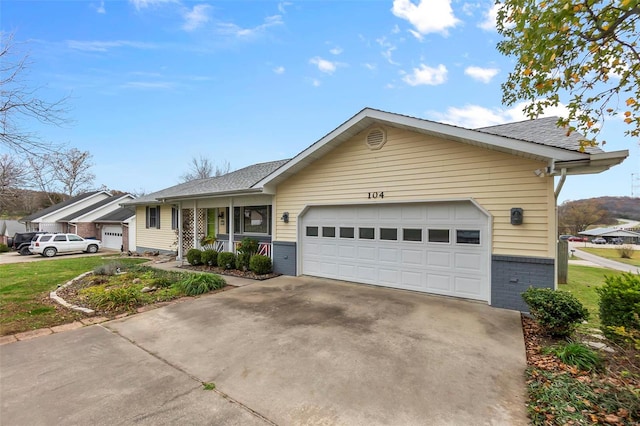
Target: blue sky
{"x": 154, "y": 83}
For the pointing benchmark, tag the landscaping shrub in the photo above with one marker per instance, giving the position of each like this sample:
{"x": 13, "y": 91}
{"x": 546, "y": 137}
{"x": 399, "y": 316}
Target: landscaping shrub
{"x": 113, "y": 298}
{"x": 578, "y": 355}
{"x": 242, "y": 261}
{"x": 247, "y": 248}
{"x": 4, "y": 248}
{"x": 620, "y": 303}
{"x": 194, "y": 256}
{"x": 557, "y": 312}
{"x": 626, "y": 252}
{"x": 195, "y": 284}
{"x": 226, "y": 260}
{"x": 110, "y": 268}
{"x": 208, "y": 242}
{"x": 209, "y": 257}
{"x": 260, "y": 264}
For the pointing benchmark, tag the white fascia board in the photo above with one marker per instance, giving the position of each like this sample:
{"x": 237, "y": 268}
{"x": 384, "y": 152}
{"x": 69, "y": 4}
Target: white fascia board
{"x": 368, "y": 117}
{"x": 57, "y": 212}
{"x": 101, "y": 209}
{"x": 596, "y": 163}
{"x": 241, "y": 192}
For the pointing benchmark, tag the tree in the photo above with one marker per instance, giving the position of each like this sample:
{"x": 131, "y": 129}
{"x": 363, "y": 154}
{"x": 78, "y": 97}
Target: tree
{"x": 13, "y": 176}
{"x": 20, "y": 103}
{"x": 67, "y": 172}
{"x": 583, "y": 54}
{"x": 202, "y": 168}
{"x": 576, "y": 216}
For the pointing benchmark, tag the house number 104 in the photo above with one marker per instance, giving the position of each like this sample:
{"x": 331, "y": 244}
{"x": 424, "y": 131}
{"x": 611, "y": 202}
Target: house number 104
{"x": 374, "y": 195}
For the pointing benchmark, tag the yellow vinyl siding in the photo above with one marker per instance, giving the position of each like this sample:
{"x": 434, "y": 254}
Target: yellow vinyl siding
{"x": 153, "y": 238}
{"x": 416, "y": 167}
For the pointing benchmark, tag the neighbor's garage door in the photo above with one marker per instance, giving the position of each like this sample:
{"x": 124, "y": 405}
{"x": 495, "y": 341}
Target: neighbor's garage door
{"x": 438, "y": 248}
{"x": 112, "y": 236}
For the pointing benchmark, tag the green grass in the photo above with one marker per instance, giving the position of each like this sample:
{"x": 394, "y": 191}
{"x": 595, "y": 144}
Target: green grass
{"x": 24, "y": 290}
{"x": 612, "y": 253}
{"x": 583, "y": 281}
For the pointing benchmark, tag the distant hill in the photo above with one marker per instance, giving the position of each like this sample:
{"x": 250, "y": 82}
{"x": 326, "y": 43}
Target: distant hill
{"x": 616, "y": 207}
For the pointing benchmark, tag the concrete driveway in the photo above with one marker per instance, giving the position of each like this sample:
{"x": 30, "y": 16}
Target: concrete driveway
{"x": 289, "y": 351}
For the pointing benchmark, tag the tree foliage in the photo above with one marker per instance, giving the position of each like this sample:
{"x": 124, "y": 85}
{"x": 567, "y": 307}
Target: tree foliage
{"x": 21, "y": 104}
{"x": 67, "y": 172}
{"x": 576, "y": 216}
{"x": 581, "y": 53}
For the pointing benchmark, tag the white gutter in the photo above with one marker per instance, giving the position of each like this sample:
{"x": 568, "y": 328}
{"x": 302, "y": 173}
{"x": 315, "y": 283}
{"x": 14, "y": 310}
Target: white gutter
{"x": 563, "y": 177}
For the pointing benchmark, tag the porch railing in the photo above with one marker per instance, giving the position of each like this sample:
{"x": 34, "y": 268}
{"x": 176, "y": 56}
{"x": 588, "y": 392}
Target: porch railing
{"x": 265, "y": 249}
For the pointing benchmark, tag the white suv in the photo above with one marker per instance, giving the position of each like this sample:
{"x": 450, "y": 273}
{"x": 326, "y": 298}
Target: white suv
{"x": 50, "y": 244}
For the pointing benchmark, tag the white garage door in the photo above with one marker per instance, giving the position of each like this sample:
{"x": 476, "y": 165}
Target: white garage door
{"x": 440, "y": 248}
{"x": 112, "y": 236}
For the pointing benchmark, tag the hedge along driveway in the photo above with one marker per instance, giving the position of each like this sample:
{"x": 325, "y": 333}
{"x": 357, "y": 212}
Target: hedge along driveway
{"x": 25, "y": 287}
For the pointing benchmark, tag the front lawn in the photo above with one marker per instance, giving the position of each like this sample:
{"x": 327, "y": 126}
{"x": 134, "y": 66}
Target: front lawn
{"x": 25, "y": 287}
{"x": 613, "y": 254}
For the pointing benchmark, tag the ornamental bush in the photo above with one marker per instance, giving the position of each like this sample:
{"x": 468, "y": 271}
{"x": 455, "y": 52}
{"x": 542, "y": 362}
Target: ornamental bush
{"x": 226, "y": 260}
{"x": 209, "y": 257}
{"x": 195, "y": 284}
{"x": 194, "y": 256}
{"x": 620, "y": 302}
{"x": 557, "y": 312}
{"x": 260, "y": 264}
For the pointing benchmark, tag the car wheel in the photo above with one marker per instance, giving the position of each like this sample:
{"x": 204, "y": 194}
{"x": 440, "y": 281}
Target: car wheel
{"x": 25, "y": 251}
{"x": 92, "y": 248}
{"x": 49, "y": 252}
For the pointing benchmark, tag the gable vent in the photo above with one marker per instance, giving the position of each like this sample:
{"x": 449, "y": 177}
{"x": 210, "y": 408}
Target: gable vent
{"x": 376, "y": 138}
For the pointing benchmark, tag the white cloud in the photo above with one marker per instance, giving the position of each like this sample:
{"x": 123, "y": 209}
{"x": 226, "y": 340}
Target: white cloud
{"x": 196, "y": 17}
{"x": 100, "y": 9}
{"x": 476, "y": 116}
{"x": 416, "y": 34}
{"x": 388, "y": 49}
{"x": 148, "y": 85}
{"x": 426, "y": 75}
{"x": 490, "y": 16}
{"x": 282, "y": 5}
{"x": 336, "y": 51}
{"x": 279, "y": 70}
{"x": 228, "y": 28}
{"x": 323, "y": 65}
{"x": 369, "y": 66}
{"x": 428, "y": 16}
{"x": 315, "y": 82}
{"x": 142, "y": 4}
{"x": 481, "y": 74}
{"x": 103, "y": 46}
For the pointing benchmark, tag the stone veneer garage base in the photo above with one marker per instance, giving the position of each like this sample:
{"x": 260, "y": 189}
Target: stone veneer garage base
{"x": 512, "y": 275}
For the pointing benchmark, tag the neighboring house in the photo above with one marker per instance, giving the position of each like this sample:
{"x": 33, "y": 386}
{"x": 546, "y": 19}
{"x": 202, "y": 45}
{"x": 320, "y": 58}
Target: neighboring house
{"x": 8, "y": 228}
{"x": 91, "y": 215}
{"x": 395, "y": 201}
{"x": 628, "y": 237}
{"x": 118, "y": 229}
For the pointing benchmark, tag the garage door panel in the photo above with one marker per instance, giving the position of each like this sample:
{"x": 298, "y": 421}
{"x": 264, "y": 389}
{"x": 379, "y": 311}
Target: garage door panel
{"x": 440, "y": 259}
{"x": 112, "y": 236}
{"x": 456, "y": 268}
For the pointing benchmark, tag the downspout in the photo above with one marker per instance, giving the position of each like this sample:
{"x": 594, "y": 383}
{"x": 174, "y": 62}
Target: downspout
{"x": 563, "y": 177}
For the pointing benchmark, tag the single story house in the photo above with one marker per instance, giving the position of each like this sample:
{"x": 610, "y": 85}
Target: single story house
{"x": 8, "y": 228}
{"x": 90, "y": 215}
{"x": 392, "y": 200}
{"x": 628, "y": 237}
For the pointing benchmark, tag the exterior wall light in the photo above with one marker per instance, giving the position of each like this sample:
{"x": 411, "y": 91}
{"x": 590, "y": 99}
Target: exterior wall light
{"x": 516, "y": 216}
{"x": 285, "y": 217}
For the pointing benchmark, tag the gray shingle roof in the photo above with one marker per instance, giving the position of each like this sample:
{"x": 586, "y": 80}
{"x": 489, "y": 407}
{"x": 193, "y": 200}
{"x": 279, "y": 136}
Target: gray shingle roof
{"x": 90, "y": 208}
{"x": 120, "y": 215}
{"x": 58, "y": 206}
{"x": 542, "y": 131}
{"x": 238, "y": 180}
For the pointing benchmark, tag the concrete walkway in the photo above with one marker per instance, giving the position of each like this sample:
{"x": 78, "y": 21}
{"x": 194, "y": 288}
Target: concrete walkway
{"x": 605, "y": 263}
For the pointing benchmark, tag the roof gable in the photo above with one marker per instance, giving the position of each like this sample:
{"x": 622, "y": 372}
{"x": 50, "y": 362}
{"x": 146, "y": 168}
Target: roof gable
{"x": 56, "y": 207}
{"x": 536, "y": 147}
{"x": 105, "y": 204}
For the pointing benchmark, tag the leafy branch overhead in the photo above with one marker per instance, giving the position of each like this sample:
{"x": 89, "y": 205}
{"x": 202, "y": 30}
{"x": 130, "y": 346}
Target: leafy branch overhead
{"x": 582, "y": 54}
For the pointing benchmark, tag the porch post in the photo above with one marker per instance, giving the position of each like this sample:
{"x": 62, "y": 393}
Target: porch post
{"x": 180, "y": 230}
{"x": 231, "y": 223}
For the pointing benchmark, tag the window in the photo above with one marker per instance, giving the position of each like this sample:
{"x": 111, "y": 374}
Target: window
{"x": 367, "y": 233}
{"x": 153, "y": 217}
{"x": 346, "y": 233}
{"x": 252, "y": 220}
{"x": 174, "y": 218}
{"x": 74, "y": 238}
{"x": 467, "y": 236}
{"x": 312, "y": 231}
{"x": 390, "y": 234}
{"x": 60, "y": 238}
{"x": 438, "y": 235}
{"x": 328, "y": 231}
{"x": 412, "y": 234}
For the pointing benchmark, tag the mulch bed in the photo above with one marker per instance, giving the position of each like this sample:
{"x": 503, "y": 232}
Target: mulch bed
{"x": 230, "y": 272}
{"x": 622, "y": 370}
